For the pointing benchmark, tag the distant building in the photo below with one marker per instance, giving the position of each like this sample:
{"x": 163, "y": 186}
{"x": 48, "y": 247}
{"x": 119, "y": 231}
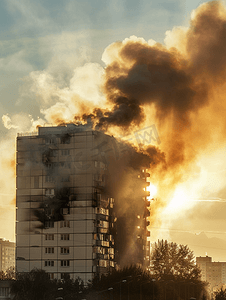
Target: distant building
{"x": 5, "y": 290}
{"x": 7, "y": 254}
{"x": 212, "y": 272}
{"x": 65, "y": 215}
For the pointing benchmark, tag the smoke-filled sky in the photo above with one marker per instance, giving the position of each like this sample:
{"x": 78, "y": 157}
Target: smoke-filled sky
{"x": 128, "y": 64}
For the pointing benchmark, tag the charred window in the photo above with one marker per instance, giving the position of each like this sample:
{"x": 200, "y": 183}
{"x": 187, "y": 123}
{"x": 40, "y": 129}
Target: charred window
{"x": 50, "y": 165}
{"x": 49, "y": 224}
{"x": 65, "y": 139}
{"x": 53, "y": 153}
{"x": 50, "y": 140}
{"x": 55, "y": 206}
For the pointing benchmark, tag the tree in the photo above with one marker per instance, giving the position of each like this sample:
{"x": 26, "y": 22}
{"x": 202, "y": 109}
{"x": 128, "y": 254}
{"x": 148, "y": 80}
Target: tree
{"x": 128, "y": 283}
{"x": 220, "y": 294}
{"x": 8, "y": 274}
{"x": 70, "y": 289}
{"x": 171, "y": 259}
{"x": 34, "y": 285}
{"x": 174, "y": 266}
{"x": 37, "y": 285}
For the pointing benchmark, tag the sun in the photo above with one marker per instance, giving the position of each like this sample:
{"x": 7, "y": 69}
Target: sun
{"x": 179, "y": 201}
{"x": 152, "y": 189}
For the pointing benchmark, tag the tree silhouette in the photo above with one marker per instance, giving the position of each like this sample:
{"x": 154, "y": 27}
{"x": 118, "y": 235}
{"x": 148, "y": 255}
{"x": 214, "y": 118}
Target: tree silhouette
{"x": 34, "y": 285}
{"x": 220, "y": 295}
{"x": 37, "y": 285}
{"x": 131, "y": 282}
{"x": 170, "y": 259}
{"x": 174, "y": 267}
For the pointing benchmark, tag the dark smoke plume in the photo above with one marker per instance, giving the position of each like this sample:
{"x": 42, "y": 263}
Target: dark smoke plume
{"x": 178, "y": 86}
{"x": 174, "y": 83}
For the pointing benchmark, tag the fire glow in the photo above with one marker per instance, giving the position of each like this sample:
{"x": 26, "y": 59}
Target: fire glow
{"x": 152, "y": 189}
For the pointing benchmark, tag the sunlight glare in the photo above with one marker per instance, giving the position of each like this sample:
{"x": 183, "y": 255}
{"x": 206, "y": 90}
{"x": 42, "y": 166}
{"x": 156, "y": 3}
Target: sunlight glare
{"x": 179, "y": 202}
{"x": 152, "y": 189}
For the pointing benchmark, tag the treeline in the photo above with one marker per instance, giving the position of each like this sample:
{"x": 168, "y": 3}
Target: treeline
{"x": 173, "y": 275}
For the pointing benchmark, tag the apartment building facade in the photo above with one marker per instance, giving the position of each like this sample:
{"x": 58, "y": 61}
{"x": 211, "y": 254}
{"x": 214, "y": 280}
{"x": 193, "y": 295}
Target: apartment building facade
{"x": 212, "y": 272}
{"x": 7, "y": 254}
{"x": 65, "y": 215}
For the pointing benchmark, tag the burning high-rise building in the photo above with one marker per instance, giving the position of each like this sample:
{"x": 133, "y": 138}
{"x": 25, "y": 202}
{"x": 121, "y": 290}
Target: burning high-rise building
{"x": 65, "y": 204}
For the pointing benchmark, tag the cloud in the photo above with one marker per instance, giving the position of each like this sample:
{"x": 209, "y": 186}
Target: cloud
{"x": 15, "y": 63}
{"x": 7, "y": 122}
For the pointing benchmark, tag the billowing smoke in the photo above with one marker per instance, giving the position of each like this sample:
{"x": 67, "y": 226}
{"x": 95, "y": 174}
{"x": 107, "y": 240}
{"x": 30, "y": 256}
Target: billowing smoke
{"x": 184, "y": 88}
{"x": 179, "y": 86}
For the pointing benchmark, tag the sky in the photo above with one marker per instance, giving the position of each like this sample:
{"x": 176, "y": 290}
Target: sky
{"x": 35, "y": 34}
{"x": 45, "y": 46}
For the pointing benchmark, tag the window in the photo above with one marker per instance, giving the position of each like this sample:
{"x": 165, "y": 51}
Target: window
{"x": 112, "y": 264}
{"x": 64, "y": 250}
{"x": 100, "y": 237}
{"x": 49, "y": 179}
{"x": 49, "y": 224}
{"x": 49, "y": 263}
{"x": 65, "y": 263}
{"x": 49, "y": 250}
{"x": 64, "y": 237}
{"x": 49, "y": 237}
{"x": 65, "y": 152}
{"x": 65, "y": 139}
{"x": 53, "y": 152}
{"x": 111, "y": 250}
{"x": 103, "y": 263}
{"x": 49, "y": 165}
{"x": 51, "y": 275}
{"x": 5, "y": 291}
{"x": 64, "y": 224}
{"x": 50, "y": 140}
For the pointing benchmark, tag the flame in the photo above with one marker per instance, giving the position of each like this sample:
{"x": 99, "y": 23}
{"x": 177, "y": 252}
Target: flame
{"x": 152, "y": 189}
